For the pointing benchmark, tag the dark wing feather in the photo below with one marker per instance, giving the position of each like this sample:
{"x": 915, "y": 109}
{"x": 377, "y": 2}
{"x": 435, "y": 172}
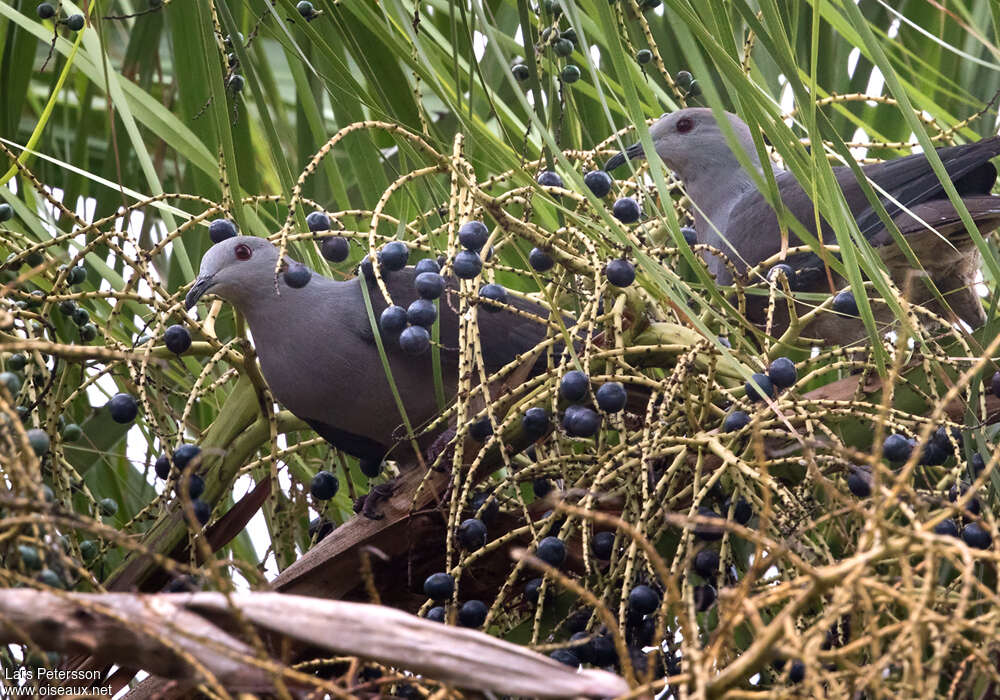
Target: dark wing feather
{"x": 753, "y": 226}
{"x": 912, "y": 181}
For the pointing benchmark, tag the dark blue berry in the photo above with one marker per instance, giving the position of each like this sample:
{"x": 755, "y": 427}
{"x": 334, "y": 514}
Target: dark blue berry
{"x": 552, "y": 551}
{"x": 297, "y": 275}
{"x": 599, "y": 182}
{"x": 620, "y": 273}
{"x": 580, "y": 421}
{"x": 318, "y": 221}
{"x": 439, "y": 587}
{"x": 797, "y": 671}
{"x": 897, "y": 448}
{"x": 735, "y": 421}
{"x": 324, "y": 485}
{"x": 531, "y": 590}
{"x": 773, "y": 275}
{"x": 335, "y": 249}
{"x": 162, "y": 466}
{"x": 611, "y": 397}
{"x": 947, "y": 527}
{"x": 643, "y": 600}
{"x": 421, "y": 312}
{"x": 690, "y": 235}
{"x": 481, "y": 429}
{"x": 541, "y": 487}
{"x": 602, "y": 545}
{"x": 845, "y": 303}
{"x": 436, "y": 614}
{"x": 319, "y": 528}
{"x": 520, "y": 71}
{"x": 760, "y": 383}
{"x": 707, "y": 532}
{"x": 394, "y": 255}
{"x": 392, "y": 320}
{"x": 933, "y": 454}
{"x": 603, "y": 651}
{"x": 415, "y": 340}
{"x": 306, "y": 9}
{"x": 704, "y": 597}
{"x": 221, "y": 229}
{"x": 492, "y": 293}
{"x": 706, "y": 563}
{"x": 123, "y": 408}
{"x": 467, "y": 264}
{"x": 45, "y": 10}
{"x": 859, "y": 481}
{"x": 487, "y": 514}
{"x": 977, "y": 464}
{"x": 426, "y": 265}
{"x": 184, "y": 454}
{"x": 640, "y": 633}
{"x": 535, "y": 422}
{"x": 742, "y": 511}
{"x": 177, "y": 339}
{"x": 472, "y": 534}
{"x": 540, "y": 261}
{"x": 626, "y": 210}
{"x": 366, "y": 268}
{"x": 472, "y": 613}
{"x": 782, "y": 373}
{"x": 995, "y": 384}
{"x": 429, "y": 285}
{"x": 196, "y": 486}
{"x": 473, "y": 235}
{"x": 956, "y": 491}
{"x": 549, "y": 178}
{"x": 202, "y": 511}
{"x": 574, "y": 385}
{"x": 75, "y": 22}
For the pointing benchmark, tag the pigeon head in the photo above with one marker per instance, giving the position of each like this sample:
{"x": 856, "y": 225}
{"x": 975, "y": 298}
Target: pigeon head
{"x": 690, "y": 142}
{"x": 238, "y": 269}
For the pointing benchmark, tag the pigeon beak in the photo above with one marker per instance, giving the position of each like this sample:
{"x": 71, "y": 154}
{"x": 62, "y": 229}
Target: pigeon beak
{"x": 201, "y": 285}
{"x": 632, "y": 152}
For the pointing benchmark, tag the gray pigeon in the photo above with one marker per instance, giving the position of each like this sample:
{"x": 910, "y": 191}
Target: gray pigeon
{"x": 733, "y": 216}
{"x": 317, "y": 348}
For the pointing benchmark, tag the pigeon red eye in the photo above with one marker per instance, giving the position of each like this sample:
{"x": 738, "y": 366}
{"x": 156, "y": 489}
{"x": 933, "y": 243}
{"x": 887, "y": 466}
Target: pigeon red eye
{"x": 684, "y": 125}
{"x": 243, "y": 252}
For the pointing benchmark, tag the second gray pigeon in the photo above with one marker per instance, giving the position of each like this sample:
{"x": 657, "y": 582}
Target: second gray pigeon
{"x": 732, "y": 215}
{"x": 317, "y": 348}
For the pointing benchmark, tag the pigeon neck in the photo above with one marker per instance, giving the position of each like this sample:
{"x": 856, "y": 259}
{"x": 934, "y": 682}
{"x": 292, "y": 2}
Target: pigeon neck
{"x": 275, "y": 309}
{"x": 713, "y": 193}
